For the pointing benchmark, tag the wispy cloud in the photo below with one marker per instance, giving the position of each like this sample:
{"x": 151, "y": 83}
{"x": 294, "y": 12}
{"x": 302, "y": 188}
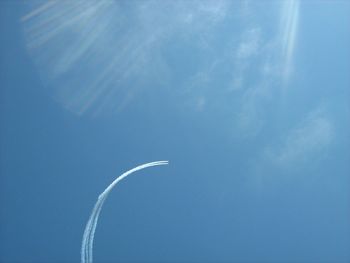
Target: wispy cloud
{"x": 200, "y": 103}
{"x": 250, "y": 119}
{"x": 277, "y": 51}
{"x": 248, "y": 48}
{"x": 249, "y": 44}
{"x": 307, "y": 140}
{"x": 273, "y": 57}
{"x": 98, "y": 54}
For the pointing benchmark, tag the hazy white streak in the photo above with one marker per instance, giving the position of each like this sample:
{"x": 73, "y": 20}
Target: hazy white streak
{"x": 37, "y": 11}
{"x": 289, "y": 24}
{"x": 89, "y": 232}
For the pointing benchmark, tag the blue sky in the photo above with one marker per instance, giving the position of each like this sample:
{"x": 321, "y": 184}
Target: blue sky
{"x": 248, "y": 100}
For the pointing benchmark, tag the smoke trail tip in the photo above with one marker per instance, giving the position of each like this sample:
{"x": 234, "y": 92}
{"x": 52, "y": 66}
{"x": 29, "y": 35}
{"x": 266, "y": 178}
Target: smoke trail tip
{"x": 163, "y": 162}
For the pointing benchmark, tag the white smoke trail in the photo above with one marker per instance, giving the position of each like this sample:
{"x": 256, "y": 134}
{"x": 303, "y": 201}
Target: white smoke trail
{"x": 89, "y": 232}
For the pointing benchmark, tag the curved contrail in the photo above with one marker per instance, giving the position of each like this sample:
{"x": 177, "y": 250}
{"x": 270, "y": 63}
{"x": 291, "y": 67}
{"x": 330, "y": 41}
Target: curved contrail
{"x": 89, "y": 232}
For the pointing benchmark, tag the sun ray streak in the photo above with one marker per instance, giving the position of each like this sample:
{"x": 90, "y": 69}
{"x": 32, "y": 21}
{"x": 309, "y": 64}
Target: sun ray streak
{"x": 289, "y": 30}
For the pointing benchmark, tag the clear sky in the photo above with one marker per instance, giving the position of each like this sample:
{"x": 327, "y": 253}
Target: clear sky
{"x": 248, "y": 100}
